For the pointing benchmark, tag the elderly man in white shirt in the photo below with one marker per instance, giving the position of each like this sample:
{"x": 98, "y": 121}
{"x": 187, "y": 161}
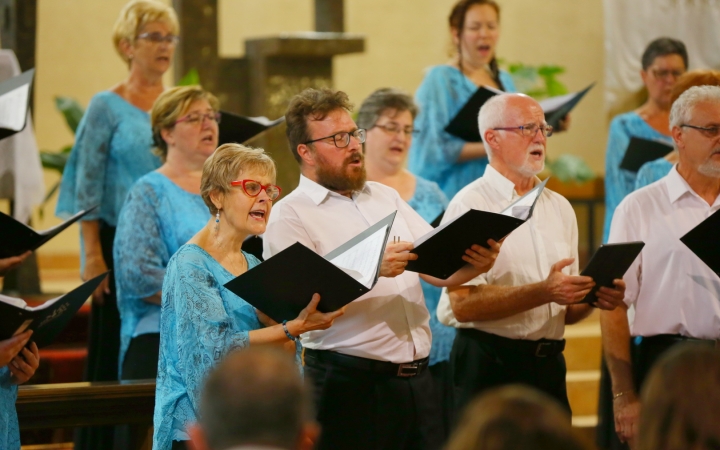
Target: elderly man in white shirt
{"x": 372, "y": 389}
{"x": 671, "y": 296}
{"x": 511, "y": 320}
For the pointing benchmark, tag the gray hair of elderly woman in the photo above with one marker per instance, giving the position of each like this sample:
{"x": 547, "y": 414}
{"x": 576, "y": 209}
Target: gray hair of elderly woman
{"x": 681, "y": 401}
{"x": 382, "y": 100}
{"x": 255, "y": 396}
{"x": 663, "y": 46}
{"x": 682, "y": 109}
{"x": 226, "y": 164}
{"x": 515, "y": 417}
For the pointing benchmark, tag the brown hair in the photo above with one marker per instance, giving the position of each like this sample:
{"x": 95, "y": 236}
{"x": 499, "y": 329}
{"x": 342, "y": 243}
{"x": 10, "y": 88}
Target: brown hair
{"x": 681, "y": 401}
{"x": 228, "y": 161}
{"x": 382, "y": 100}
{"x": 311, "y": 104}
{"x": 694, "y": 78}
{"x": 169, "y": 107}
{"x": 457, "y": 22}
{"x": 135, "y": 15}
{"x": 514, "y": 417}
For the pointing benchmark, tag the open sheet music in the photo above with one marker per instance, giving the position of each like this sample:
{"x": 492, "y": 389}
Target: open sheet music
{"x": 14, "y": 103}
{"x": 610, "y": 262}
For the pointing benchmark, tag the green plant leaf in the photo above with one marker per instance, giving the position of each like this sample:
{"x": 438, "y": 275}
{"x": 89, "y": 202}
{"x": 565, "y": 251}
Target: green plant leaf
{"x": 71, "y": 111}
{"x": 191, "y": 78}
{"x": 568, "y": 167}
{"x": 55, "y": 160}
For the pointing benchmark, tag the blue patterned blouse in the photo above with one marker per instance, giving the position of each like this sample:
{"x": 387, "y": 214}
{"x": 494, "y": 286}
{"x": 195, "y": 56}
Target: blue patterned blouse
{"x": 652, "y": 171}
{"x": 620, "y": 182}
{"x": 429, "y": 201}
{"x": 157, "y": 219}
{"x": 434, "y": 152}
{"x": 111, "y": 151}
{"x": 9, "y": 429}
{"x": 201, "y": 322}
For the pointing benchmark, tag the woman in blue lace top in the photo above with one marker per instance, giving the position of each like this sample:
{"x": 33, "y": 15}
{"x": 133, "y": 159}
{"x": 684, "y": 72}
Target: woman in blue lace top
{"x": 663, "y": 61}
{"x": 435, "y": 154}
{"x": 163, "y": 211}
{"x": 201, "y": 321}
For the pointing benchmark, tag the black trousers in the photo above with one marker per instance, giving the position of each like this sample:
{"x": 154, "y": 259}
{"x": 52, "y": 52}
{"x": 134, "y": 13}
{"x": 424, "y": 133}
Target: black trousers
{"x": 141, "y": 358}
{"x": 481, "y": 361}
{"x": 362, "y": 409}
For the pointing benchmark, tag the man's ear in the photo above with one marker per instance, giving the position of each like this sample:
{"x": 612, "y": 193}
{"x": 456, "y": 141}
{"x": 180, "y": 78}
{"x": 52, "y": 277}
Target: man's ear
{"x": 678, "y": 137}
{"x": 455, "y": 36}
{"x": 306, "y": 154}
{"x": 197, "y": 437}
{"x": 492, "y": 138}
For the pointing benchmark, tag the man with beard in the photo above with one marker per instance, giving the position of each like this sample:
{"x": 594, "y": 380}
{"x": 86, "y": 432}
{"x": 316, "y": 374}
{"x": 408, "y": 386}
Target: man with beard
{"x": 511, "y": 320}
{"x": 672, "y": 294}
{"x": 372, "y": 386}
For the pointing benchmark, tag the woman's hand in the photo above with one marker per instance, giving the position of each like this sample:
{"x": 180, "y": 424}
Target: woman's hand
{"x": 9, "y": 348}
{"x": 311, "y": 319}
{"x": 24, "y": 365}
{"x": 94, "y": 266}
{"x": 7, "y": 264}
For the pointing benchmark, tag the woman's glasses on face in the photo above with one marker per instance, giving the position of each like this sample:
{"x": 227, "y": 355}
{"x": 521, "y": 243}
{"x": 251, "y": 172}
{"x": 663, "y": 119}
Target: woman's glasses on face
{"x": 253, "y": 188}
{"x": 157, "y": 38}
{"x": 198, "y": 118}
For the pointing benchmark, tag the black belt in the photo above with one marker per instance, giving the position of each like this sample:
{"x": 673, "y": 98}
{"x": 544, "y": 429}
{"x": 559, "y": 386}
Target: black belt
{"x": 368, "y": 365}
{"x": 667, "y": 340}
{"x": 541, "y": 348}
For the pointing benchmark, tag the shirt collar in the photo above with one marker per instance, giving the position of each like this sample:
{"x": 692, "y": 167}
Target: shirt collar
{"x": 676, "y": 185}
{"x": 501, "y": 184}
{"x": 319, "y": 193}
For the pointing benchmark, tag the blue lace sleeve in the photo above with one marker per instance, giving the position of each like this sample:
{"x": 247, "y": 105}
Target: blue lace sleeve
{"x": 652, "y": 171}
{"x": 615, "y": 180}
{"x": 9, "y": 429}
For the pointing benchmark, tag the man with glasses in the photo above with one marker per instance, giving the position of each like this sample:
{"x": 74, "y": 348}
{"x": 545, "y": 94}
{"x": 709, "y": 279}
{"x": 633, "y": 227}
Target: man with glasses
{"x": 511, "y": 320}
{"x": 672, "y": 293}
{"x": 372, "y": 386}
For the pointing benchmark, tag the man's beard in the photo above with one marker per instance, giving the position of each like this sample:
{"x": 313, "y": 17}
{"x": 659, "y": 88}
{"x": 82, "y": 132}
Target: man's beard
{"x": 339, "y": 180}
{"x": 710, "y": 168}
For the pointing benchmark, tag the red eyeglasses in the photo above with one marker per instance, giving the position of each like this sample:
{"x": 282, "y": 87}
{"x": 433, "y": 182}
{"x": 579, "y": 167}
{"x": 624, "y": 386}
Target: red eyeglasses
{"x": 252, "y": 188}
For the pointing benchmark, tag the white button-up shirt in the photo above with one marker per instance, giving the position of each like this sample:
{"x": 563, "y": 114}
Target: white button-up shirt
{"x": 389, "y": 323}
{"x": 525, "y": 257}
{"x": 669, "y": 289}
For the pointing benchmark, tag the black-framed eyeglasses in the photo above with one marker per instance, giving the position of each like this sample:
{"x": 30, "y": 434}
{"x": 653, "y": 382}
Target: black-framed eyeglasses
{"x": 342, "y": 139}
{"x": 710, "y": 132}
{"x": 198, "y": 118}
{"x": 663, "y": 74}
{"x": 157, "y": 38}
{"x": 394, "y": 128}
{"x": 530, "y": 129}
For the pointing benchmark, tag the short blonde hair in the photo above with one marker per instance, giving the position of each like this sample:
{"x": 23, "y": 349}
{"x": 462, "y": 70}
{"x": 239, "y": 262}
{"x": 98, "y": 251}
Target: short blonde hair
{"x": 169, "y": 107}
{"x": 135, "y": 15}
{"x": 224, "y": 166}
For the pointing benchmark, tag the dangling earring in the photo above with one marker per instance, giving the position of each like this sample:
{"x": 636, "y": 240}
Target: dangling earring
{"x": 217, "y": 221}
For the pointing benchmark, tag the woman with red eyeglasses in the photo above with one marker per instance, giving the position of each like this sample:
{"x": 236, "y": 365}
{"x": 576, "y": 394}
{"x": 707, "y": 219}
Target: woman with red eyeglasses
{"x": 202, "y": 320}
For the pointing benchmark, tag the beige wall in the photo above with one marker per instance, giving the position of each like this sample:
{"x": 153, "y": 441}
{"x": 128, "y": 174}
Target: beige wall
{"x": 75, "y": 56}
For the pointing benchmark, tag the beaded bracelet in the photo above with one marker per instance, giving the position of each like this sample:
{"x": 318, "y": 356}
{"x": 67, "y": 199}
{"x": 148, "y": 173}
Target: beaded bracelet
{"x": 620, "y": 394}
{"x": 287, "y": 333}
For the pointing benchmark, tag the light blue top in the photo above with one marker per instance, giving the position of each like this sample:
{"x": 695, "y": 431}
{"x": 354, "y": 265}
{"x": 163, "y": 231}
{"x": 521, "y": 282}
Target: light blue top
{"x": 434, "y": 152}
{"x": 111, "y": 151}
{"x": 652, "y": 171}
{"x": 201, "y": 322}
{"x": 9, "y": 428}
{"x": 157, "y": 219}
{"x": 429, "y": 201}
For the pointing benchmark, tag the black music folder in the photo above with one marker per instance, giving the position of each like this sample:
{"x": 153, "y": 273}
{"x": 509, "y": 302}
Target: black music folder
{"x": 16, "y": 238}
{"x": 14, "y": 103}
{"x": 239, "y": 129}
{"x": 440, "y": 251}
{"x": 609, "y": 263}
{"x": 46, "y": 320}
{"x": 639, "y": 151}
{"x": 283, "y": 285}
{"x": 704, "y": 241}
{"x": 465, "y": 123}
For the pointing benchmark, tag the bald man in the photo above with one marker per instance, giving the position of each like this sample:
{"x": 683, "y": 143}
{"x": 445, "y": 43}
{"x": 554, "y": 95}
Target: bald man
{"x": 511, "y": 320}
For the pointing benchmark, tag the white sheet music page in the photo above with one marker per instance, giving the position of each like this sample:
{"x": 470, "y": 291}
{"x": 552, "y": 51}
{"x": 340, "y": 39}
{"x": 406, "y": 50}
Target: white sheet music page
{"x": 13, "y": 108}
{"x": 361, "y": 261}
{"x": 521, "y": 208}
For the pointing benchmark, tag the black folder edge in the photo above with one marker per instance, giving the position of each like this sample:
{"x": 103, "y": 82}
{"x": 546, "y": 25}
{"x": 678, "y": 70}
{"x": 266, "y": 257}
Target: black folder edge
{"x": 610, "y": 262}
{"x": 554, "y": 117}
{"x": 694, "y": 240}
{"x": 14, "y": 83}
{"x": 423, "y": 239}
{"x": 261, "y": 127}
{"x": 655, "y": 149}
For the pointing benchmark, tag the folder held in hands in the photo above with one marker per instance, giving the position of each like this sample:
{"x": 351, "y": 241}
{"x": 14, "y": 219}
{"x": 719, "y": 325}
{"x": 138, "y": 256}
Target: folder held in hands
{"x": 704, "y": 241}
{"x": 610, "y": 262}
{"x": 14, "y": 103}
{"x": 640, "y": 151}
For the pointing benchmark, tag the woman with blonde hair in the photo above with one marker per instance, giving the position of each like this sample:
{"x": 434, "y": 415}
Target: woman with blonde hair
{"x": 201, "y": 320}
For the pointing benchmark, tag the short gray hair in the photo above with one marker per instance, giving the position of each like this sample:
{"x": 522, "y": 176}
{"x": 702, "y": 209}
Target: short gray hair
{"x": 683, "y": 107}
{"x": 491, "y": 115}
{"x": 382, "y": 100}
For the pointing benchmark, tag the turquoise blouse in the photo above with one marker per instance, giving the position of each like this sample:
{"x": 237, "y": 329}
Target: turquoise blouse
{"x": 652, "y": 171}
{"x": 434, "y": 152}
{"x": 157, "y": 219}
{"x": 201, "y": 322}
{"x": 429, "y": 201}
{"x": 9, "y": 428}
{"x": 620, "y": 182}
{"x": 111, "y": 151}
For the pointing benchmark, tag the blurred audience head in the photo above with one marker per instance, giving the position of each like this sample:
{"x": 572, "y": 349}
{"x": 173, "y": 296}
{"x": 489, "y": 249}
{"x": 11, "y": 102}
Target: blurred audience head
{"x": 695, "y": 78}
{"x": 681, "y": 401}
{"x": 514, "y": 418}
{"x": 255, "y": 397}
{"x": 148, "y": 20}
{"x": 663, "y": 62}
